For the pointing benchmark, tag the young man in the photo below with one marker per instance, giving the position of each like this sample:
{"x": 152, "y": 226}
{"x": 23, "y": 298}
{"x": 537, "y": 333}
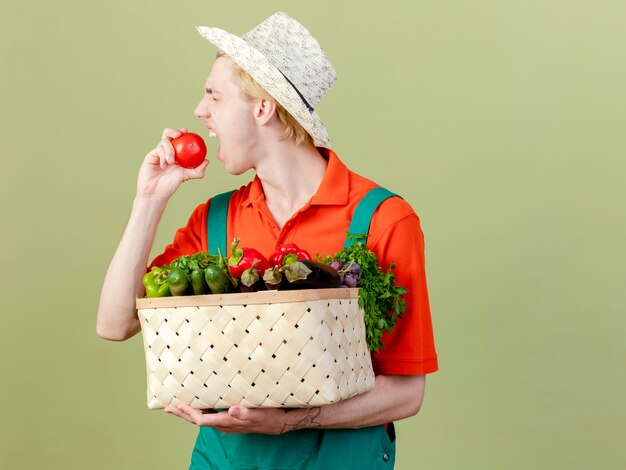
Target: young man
{"x": 259, "y": 100}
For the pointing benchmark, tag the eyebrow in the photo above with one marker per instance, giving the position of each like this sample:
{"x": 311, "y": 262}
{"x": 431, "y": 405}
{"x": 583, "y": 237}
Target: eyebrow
{"x": 211, "y": 91}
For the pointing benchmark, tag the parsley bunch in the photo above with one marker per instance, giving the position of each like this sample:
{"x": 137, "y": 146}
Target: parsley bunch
{"x": 379, "y": 296}
{"x": 198, "y": 260}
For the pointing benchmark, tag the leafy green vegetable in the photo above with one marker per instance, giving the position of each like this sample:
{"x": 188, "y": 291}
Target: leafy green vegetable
{"x": 198, "y": 260}
{"x": 379, "y": 297}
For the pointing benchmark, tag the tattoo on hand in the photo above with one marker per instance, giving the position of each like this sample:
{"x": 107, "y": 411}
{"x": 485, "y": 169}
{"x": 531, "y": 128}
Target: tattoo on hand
{"x": 308, "y": 421}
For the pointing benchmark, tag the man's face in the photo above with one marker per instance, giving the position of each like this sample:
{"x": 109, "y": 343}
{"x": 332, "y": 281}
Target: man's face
{"x": 227, "y": 115}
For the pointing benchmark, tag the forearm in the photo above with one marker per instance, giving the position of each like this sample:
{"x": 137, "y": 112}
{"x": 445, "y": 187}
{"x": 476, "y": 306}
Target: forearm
{"x": 117, "y": 318}
{"x": 392, "y": 398}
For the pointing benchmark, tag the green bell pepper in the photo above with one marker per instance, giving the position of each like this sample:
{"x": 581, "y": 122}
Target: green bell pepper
{"x": 156, "y": 283}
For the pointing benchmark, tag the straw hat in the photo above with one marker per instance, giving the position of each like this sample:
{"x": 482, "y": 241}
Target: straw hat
{"x": 287, "y": 61}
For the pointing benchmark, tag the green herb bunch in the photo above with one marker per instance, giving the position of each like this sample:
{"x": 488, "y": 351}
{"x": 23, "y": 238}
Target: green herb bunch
{"x": 198, "y": 260}
{"x": 379, "y": 296}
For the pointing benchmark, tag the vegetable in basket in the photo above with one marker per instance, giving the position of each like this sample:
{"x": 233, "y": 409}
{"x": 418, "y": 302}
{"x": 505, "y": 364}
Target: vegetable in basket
{"x": 155, "y": 282}
{"x": 198, "y": 282}
{"x": 250, "y": 280}
{"x": 273, "y": 277}
{"x": 199, "y": 260}
{"x": 308, "y": 274}
{"x": 302, "y": 274}
{"x": 201, "y": 273}
{"x": 194, "y": 266}
{"x": 349, "y": 272}
{"x": 287, "y": 253}
{"x": 217, "y": 279}
{"x": 379, "y": 296}
{"x": 178, "y": 281}
{"x": 244, "y": 258}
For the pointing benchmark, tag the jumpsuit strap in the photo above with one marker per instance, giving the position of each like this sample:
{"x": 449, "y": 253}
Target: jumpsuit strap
{"x": 217, "y": 223}
{"x": 362, "y": 217}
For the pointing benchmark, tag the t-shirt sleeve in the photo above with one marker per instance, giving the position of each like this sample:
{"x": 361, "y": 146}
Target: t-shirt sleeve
{"x": 188, "y": 240}
{"x": 396, "y": 237}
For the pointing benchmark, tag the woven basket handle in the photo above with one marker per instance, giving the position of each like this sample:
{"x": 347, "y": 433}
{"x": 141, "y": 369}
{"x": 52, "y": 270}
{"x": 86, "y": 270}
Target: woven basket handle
{"x": 362, "y": 217}
{"x": 217, "y": 219}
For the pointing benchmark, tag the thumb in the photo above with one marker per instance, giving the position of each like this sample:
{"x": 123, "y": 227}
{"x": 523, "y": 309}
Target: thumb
{"x": 197, "y": 172}
{"x": 244, "y": 414}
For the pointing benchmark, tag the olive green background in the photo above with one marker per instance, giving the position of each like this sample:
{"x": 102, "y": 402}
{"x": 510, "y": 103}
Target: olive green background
{"x": 502, "y": 122}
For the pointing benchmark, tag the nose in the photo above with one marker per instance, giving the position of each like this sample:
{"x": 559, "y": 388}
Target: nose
{"x": 202, "y": 109}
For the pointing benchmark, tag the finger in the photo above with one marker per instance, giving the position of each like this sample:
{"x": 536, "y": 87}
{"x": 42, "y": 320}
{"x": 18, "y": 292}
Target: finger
{"x": 169, "y": 151}
{"x": 152, "y": 158}
{"x": 197, "y": 172}
{"x": 214, "y": 418}
{"x": 180, "y": 414}
{"x": 193, "y": 415}
{"x": 161, "y": 153}
{"x": 184, "y": 130}
{"x": 245, "y": 414}
{"x": 169, "y": 133}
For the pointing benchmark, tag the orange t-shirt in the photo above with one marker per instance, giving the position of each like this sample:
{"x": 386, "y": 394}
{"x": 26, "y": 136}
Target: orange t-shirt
{"x": 320, "y": 227}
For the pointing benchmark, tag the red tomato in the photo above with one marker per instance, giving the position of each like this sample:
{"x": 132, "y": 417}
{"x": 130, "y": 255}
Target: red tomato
{"x": 190, "y": 150}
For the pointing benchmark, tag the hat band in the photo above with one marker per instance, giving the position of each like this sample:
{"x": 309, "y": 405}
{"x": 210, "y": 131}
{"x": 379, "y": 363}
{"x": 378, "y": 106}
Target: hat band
{"x": 306, "y": 103}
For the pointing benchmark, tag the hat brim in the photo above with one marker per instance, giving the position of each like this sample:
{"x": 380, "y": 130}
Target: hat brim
{"x": 269, "y": 77}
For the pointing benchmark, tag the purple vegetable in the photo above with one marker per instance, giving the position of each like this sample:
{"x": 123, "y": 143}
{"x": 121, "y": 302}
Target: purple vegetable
{"x": 354, "y": 268}
{"x": 351, "y": 280}
{"x": 335, "y": 264}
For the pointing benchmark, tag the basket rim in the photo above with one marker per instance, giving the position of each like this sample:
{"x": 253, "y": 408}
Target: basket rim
{"x": 249, "y": 298}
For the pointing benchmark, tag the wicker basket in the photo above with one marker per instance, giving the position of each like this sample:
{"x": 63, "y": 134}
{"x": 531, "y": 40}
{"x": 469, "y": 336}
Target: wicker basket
{"x": 263, "y": 349}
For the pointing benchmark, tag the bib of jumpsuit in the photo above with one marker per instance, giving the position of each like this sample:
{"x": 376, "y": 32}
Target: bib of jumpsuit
{"x": 306, "y": 449}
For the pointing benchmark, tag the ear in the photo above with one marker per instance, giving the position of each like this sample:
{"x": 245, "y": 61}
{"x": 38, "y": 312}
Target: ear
{"x": 264, "y": 111}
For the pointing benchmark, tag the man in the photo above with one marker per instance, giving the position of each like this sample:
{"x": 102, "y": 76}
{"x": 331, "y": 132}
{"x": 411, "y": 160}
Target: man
{"x": 259, "y": 100}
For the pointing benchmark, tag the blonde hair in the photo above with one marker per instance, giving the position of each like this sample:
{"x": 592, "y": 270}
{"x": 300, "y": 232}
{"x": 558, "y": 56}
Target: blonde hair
{"x": 252, "y": 91}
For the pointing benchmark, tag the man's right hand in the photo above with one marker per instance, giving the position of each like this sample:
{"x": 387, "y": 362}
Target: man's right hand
{"x": 159, "y": 175}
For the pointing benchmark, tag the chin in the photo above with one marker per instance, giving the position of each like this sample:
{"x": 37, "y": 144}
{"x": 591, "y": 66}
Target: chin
{"x": 236, "y": 170}
{"x": 239, "y": 172}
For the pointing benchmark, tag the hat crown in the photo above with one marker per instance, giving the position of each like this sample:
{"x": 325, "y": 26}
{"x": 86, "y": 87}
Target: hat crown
{"x": 292, "y": 49}
{"x": 286, "y": 60}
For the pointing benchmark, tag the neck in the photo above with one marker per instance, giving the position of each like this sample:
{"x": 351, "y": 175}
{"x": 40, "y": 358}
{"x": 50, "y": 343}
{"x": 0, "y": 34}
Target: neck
{"x": 290, "y": 175}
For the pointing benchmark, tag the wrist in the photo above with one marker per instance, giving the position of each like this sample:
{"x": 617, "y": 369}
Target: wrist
{"x": 301, "y": 418}
{"x": 145, "y": 215}
{"x": 149, "y": 204}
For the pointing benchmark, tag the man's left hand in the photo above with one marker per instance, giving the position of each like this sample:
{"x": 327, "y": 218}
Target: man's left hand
{"x": 236, "y": 420}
